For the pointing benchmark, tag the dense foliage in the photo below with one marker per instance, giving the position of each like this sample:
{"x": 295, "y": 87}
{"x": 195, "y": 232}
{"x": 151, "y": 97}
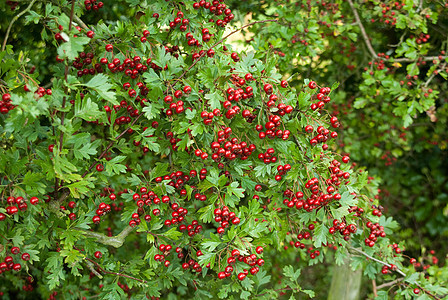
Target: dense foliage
{"x": 144, "y": 156}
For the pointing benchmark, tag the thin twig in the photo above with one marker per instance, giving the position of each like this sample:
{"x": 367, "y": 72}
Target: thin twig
{"x": 220, "y": 41}
{"x": 363, "y": 31}
{"x": 434, "y": 75}
{"x": 91, "y": 266}
{"x": 375, "y": 292}
{"x": 16, "y": 17}
{"x": 390, "y": 283}
{"x": 114, "y": 273}
{"x": 422, "y": 58}
{"x": 377, "y": 260}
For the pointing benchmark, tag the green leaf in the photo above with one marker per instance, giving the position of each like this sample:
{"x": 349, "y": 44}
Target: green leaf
{"x": 71, "y": 48}
{"x": 113, "y": 166}
{"x": 320, "y": 235}
{"x": 100, "y": 84}
{"x": 54, "y": 267}
{"x": 288, "y": 271}
{"x": 214, "y": 100}
{"x": 151, "y": 110}
{"x": 234, "y": 189}
{"x": 172, "y": 234}
{"x": 207, "y": 258}
{"x": 348, "y": 199}
{"x": 88, "y": 110}
{"x": 382, "y": 295}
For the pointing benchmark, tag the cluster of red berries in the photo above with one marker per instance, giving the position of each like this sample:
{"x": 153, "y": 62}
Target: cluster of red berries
{"x": 396, "y": 248}
{"x": 165, "y": 249}
{"x": 343, "y": 228}
{"x": 268, "y": 157}
{"x": 93, "y": 4}
{"x": 178, "y": 214}
{"x": 273, "y": 124}
{"x": 6, "y": 104}
{"x": 12, "y": 4}
{"x": 82, "y": 62}
{"x": 239, "y": 92}
{"x": 17, "y": 203}
{"x": 28, "y": 286}
{"x": 193, "y": 265}
{"x": 177, "y": 179}
{"x": 282, "y": 170}
{"x": 321, "y": 96}
{"x": 131, "y": 67}
{"x": 376, "y": 231}
{"x": 224, "y": 216}
{"x": 251, "y": 260}
{"x": 192, "y": 229}
{"x": 230, "y": 148}
{"x": 358, "y": 211}
{"x": 173, "y": 140}
{"x": 178, "y": 20}
{"x": 102, "y": 209}
{"x": 218, "y": 9}
{"x": 317, "y": 198}
{"x": 387, "y": 269}
{"x": 208, "y": 116}
{"x": 323, "y": 134}
{"x": 8, "y": 264}
{"x": 422, "y": 38}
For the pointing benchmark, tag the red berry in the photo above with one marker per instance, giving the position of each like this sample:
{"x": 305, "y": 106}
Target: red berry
{"x": 34, "y": 200}
{"x": 17, "y": 267}
{"x": 98, "y": 254}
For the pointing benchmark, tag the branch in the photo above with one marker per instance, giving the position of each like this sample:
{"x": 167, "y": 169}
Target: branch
{"x": 390, "y": 283}
{"x": 91, "y": 266}
{"x": 374, "y": 259}
{"x": 15, "y": 18}
{"x": 375, "y": 288}
{"x": 112, "y": 273}
{"x": 114, "y": 241}
{"x": 422, "y": 58}
{"x": 219, "y": 42}
{"x": 363, "y": 31}
{"x": 434, "y": 75}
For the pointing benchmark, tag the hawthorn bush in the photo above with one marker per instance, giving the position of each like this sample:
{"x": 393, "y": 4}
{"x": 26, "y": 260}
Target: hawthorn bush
{"x": 151, "y": 159}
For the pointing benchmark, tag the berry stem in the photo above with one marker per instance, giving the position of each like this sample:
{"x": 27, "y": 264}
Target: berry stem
{"x": 363, "y": 31}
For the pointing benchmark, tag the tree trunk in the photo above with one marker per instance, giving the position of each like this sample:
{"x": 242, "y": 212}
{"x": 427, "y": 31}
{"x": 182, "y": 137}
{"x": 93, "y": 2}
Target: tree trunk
{"x": 346, "y": 283}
